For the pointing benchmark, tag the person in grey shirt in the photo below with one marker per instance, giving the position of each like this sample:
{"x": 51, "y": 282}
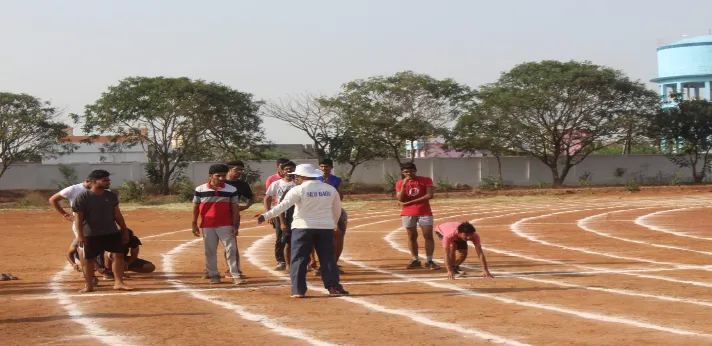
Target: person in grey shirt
{"x": 97, "y": 213}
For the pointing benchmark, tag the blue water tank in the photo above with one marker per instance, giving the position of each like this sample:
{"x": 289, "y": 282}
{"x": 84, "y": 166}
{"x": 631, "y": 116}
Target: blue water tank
{"x": 689, "y": 57}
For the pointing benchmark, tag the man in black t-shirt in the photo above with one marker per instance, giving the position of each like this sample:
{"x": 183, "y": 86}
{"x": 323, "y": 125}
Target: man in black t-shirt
{"x": 236, "y": 169}
{"x": 97, "y": 213}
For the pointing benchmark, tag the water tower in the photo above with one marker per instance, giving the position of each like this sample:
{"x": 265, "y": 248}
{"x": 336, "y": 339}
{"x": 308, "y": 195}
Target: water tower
{"x": 686, "y": 66}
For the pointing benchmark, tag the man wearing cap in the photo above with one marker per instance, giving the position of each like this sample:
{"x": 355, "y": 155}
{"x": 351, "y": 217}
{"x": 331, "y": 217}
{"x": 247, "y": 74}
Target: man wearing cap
{"x": 317, "y": 210}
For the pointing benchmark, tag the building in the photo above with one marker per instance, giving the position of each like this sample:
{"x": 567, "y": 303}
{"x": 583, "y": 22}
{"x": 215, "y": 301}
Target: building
{"x": 91, "y": 152}
{"x": 433, "y": 147}
{"x": 686, "y": 67}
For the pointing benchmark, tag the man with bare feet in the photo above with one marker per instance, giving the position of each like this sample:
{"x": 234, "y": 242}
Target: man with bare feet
{"x": 414, "y": 194}
{"x": 97, "y": 214}
{"x": 454, "y": 236}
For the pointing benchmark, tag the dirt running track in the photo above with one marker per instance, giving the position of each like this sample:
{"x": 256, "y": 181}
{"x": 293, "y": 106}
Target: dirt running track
{"x": 577, "y": 270}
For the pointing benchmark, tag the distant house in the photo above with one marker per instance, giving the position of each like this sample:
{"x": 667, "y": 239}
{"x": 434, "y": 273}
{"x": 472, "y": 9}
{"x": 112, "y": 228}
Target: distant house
{"x": 91, "y": 153}
{"x": 434, "y": 147}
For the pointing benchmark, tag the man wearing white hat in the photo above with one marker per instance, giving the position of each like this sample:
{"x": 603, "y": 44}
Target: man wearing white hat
{"x": 317, "y": 210}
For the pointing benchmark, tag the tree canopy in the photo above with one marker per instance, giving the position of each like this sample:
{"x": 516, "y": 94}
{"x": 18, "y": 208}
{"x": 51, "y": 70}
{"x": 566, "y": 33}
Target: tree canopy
{"x": 686, "y": 126}
{"x": 174, "y": 120}
{"x": 29, "y": 128}
{"x": 561, "y": 112}
{"x": 391, "y": 110}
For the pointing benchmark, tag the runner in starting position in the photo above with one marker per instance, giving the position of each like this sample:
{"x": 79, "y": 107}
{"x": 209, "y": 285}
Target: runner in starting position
{"x": 455, "y": 236}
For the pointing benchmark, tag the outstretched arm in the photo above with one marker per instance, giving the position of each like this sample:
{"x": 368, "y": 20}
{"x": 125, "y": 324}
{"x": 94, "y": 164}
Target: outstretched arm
{"x": 483, "y": 259}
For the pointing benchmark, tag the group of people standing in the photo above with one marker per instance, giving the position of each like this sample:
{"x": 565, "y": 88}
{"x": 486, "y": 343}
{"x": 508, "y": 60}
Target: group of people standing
{"x": 302, "y": 203}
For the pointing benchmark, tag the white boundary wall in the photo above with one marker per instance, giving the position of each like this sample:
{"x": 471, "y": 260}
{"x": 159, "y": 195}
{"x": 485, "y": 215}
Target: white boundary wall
{"x": 522, "y": 171}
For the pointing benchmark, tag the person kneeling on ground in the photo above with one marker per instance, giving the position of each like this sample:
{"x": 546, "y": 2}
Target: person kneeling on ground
{"x": 454, "y": 236}
{"x": 133, "y": 263}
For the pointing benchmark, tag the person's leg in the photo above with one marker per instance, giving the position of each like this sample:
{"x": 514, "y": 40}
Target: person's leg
{"x": 302, "y": 243}
{"x": 230, "y": 244}
{"x": 339, "y": 236}
{"x": 287, "y": 240}
{"x": 426, "y": 226}
{"x": 411, "y": 226}
{"x": 114, "y": 244}
{"x": 91, "y": 250}
{"x": 279, "y": 247}
{"x": 324, "y": 244}
{"x": 210, "y": 246}
{"x": 142, "y": 266}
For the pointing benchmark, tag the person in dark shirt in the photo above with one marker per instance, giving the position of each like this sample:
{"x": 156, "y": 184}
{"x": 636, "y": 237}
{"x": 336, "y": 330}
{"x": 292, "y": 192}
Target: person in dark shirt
{"x": 237, "y": 168}
{"x": 133, "y": 263}
{"x": 97, "y": 214}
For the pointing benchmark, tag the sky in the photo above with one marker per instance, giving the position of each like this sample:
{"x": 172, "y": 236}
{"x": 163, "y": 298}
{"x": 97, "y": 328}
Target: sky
{"x": 69, "y": 52}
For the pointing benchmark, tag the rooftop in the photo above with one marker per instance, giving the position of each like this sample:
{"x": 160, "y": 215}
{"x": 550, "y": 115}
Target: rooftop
{"x": 692, "y": 41}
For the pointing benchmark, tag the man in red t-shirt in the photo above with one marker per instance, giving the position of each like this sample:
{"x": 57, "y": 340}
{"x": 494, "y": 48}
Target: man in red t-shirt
{"x": 414, "y": 194}
{"x": 454, "y": 236}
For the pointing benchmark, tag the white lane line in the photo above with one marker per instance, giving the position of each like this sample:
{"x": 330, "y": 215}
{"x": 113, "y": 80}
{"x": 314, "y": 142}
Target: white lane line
{"x": 266, "y": 321}
{"x": 250, "y": 254}
{"x": 643, "y": 221}
{"x": 502, "y": 274}
{"x": 516, "y": 228}
{"x": 582, "y": 314}
{"x": 90, "y": 325}
{"x": 583, "y": 224}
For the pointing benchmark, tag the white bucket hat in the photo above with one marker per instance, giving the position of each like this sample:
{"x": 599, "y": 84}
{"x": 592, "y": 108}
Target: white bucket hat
{"x": 307, "y": 170}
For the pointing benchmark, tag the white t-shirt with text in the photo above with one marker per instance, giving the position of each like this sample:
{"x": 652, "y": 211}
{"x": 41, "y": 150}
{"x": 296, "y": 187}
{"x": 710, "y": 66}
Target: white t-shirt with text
{"x": 278, "y": 188}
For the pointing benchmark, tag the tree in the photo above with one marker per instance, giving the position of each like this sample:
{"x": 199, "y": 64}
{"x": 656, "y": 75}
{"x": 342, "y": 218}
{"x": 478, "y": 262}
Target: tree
{"x": 174, "y": 120}
{"x": 404, "y": 107}
{"x": 334, "y": 135}
{"x": 561, "y": 112}
{"x": 29, "y": 129}
{"x": 307, "y": 113}
{"x": 689, "y": 121}
{"x": 482, "y": 129}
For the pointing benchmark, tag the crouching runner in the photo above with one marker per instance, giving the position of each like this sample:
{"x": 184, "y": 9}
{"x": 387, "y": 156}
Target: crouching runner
{"x": 454, "y": 236}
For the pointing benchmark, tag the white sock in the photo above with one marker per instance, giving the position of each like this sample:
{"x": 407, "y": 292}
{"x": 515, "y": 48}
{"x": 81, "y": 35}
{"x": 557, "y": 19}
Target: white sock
{"x": 430, "y": 258}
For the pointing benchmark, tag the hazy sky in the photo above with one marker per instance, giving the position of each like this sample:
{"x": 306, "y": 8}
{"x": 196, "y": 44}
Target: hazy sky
{"x": 69, "y": 51}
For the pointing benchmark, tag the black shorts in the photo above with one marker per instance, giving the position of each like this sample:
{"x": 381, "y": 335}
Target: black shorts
{"x": 138, "y": 263}
{"x": 283, "y": 237}
{"x": 97, "y": 245}
{"x": 461, "y": 244}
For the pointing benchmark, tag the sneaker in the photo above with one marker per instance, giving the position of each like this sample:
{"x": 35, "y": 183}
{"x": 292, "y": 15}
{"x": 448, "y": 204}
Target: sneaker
{"x": 95, "y": 281}
{"x": 337, "y": 291}
{"x": 281, "y": 266}
{"x": 239, "y": 281}
{"x": 108, "y": 277}
{"x": 215, "y": 279}
{"x": 458, "y": 272}
{"x": 432, "y": 265}
{"x": 414, "y": 264}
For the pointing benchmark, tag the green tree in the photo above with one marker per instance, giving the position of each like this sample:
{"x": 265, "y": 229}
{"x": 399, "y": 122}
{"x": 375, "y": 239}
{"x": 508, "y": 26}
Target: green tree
{"x": 689, "y": 121}
{"x": 29, "y": 129}
{"x": 479, "y": 130}
{"x": 561, "y": 112}
{"x": 390, "y": 110}
{"x": 174, "y": 120}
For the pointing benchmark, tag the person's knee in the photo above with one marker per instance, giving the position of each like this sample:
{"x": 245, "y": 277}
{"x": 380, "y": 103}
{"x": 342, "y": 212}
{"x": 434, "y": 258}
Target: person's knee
{"x": 149, "y": 267}
{"x": 412, "y": 233}
{"x": 428, "y": 233}
{"x": 461, "y": 254}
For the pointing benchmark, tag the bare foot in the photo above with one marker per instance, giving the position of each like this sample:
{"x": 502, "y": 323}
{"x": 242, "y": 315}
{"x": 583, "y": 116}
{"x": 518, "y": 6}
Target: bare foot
{"x": 86, "y": 289}
{"x": 123, "y": 287}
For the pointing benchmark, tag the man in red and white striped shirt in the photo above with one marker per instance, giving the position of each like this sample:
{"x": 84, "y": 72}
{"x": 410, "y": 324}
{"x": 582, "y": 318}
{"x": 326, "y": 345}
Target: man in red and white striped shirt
{"x": 216, "y": 203}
